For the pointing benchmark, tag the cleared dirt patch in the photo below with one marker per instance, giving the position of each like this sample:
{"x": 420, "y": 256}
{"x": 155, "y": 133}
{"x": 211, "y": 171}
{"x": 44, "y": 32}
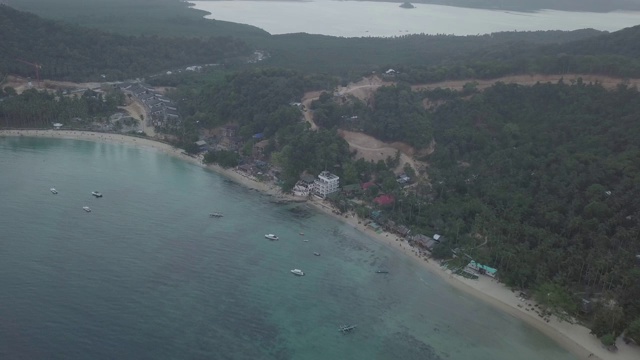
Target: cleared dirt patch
{"x": 21, "y": 84}
{"x": 372, "y": 149}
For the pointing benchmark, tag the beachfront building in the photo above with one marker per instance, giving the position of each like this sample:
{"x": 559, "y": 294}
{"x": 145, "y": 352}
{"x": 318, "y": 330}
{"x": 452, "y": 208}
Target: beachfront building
{"x": 482, "y": 269}
{"x": 326, "y": 183}
{"x": 57, "y": 126}
{"x": 423, "y": 241}
{"x": 304, "y": 186}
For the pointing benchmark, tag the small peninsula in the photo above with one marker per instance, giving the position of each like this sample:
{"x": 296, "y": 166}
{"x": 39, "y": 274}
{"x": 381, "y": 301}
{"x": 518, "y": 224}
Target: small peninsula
{"x": 407, "y": 5}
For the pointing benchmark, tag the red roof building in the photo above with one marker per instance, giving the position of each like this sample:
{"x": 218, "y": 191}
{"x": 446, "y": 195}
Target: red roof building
{"x": 384, "y": 200}
{"x": 367, "y": 185}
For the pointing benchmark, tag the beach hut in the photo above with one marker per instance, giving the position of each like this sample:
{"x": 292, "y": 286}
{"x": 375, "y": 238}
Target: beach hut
{"x": 57, "y": 126}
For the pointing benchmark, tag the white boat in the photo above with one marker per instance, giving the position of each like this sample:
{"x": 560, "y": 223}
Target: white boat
{"x": 316, "y": 253}
{"x": 86, "y": 208}
{"x": 96, "y": 194}
{"x": 297, "y": 272}
{"x": 271, "y": 237}
{"x": 53, "y": 190}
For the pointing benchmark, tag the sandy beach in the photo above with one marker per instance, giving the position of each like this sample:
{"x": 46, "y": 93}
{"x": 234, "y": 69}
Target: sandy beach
{"x": 573, "y": 337}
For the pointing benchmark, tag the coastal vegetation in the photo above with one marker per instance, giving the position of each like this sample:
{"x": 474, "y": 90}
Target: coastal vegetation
{"x": 40, "y": 109}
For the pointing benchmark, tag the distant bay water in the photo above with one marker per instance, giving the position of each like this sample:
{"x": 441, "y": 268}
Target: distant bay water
{"x": 148, "y": 275}
{"x": 366, "y": 18}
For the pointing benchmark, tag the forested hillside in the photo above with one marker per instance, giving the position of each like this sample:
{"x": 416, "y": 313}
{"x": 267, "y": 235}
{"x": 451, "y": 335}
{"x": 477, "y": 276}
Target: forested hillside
{"x": 550, "y": 175}
{"x": 72, "y": 53}
{"x": 347, "y": 57}
{"x": 394, "y": 114}
{"x": 136, "y": 17}
{"x": 540, "y": 182}
{"x": 614, "y": 54}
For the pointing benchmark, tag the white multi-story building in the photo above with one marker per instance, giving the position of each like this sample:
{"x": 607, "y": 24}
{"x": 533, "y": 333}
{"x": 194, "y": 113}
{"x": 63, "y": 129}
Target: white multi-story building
{"x": 325, "y": 184}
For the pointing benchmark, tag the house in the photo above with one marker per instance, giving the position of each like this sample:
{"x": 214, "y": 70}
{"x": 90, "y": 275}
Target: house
{"x": 376, "y": 214}
{"x": 325, "y": 184}
{"x": 403, "y": 179}
{"x": 144, "y": 97}
{"x": 439, "y": 238}
{"x": 301, "y": 189}
{"x": 368, "y": 185}
{"x": 390, "y": 72}
{"x": 258, "y": 148}
{"x": 375, "y": 227}
{"x": 258, "y": 136}
{"x": 201, "y": 144}
{"x": 384, "y": 200}
{"x": 304, "y": 186}
{"x": 482, "y": 269}
{"x": 424, "y": 241}
{"x": 57, "y": 126}
{"x": 171, "y": 113}
{"x": 154, "y": 103}
{"x": 230, "y": 131}
{"x": 403, "y": 230}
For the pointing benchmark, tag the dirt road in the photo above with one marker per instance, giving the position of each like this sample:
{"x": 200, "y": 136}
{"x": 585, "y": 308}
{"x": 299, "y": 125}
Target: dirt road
{"x": 135, "y": 109}
{"x": 530, "y": 80}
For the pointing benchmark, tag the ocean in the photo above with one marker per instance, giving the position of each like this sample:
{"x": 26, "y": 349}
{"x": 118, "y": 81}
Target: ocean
{"x": 369, "y": 18}
{"x": 149, "y": 275}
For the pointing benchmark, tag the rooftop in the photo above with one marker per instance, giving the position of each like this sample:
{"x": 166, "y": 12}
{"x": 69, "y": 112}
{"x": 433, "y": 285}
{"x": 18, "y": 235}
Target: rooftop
{"x": 325, "y": 175}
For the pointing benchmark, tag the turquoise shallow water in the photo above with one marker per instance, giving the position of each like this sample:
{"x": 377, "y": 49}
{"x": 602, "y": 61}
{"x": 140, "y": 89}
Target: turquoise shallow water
{"x": 148, "y": 275}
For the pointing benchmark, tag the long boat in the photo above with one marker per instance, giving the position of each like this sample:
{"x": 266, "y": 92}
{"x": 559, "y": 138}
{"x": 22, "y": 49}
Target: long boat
{"x": 346, "y": 328}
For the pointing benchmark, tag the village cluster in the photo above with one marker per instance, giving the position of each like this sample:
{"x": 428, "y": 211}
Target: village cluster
{"x": 163, "y": 111}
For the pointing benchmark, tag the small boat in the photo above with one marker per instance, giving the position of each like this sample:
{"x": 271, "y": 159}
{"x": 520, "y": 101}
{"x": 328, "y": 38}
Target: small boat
{"x": 382, "y": 272}
{"x": 316, "y": 253}
{"x": 271, "y": 237}
{"x": 302, "y": 233}
{"x": 86, "y": 208}
{"x": 346, "y": 328}
{"x": 297, "y": 272}
{"x": 305, "y": 240}
{"x": 96, "y": 194}
{"x": 216, "y": 214}
{"x": 53, "y": 190}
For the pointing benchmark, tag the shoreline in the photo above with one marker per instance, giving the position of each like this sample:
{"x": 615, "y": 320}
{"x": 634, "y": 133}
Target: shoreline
{"x": 572, "y": 337}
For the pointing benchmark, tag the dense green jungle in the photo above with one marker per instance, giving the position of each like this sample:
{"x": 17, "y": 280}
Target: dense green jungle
{"x": 541, "y": 182}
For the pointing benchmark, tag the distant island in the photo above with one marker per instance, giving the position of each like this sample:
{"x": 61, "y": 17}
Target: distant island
{"x": 407, "y": 5}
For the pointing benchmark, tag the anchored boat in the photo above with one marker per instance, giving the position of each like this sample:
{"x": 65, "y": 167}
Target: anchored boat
{"x": 96, "y": 194}
{"x": 53, "y": 190}
{"x": 216, "y": 214}
{"x": 347, "y": 328}
{"x": 271, "y": 237}
{"x": 297, "y": 272}
{"x": 86, "y": 208}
